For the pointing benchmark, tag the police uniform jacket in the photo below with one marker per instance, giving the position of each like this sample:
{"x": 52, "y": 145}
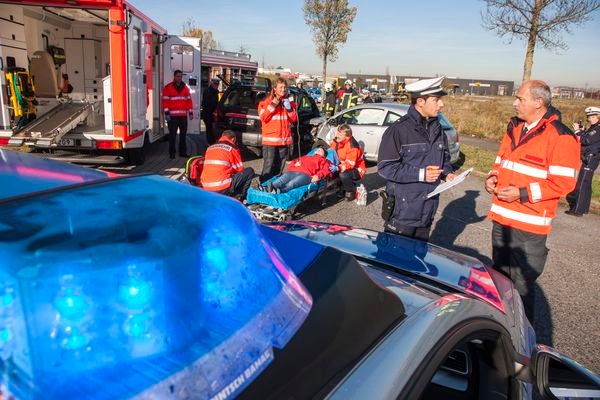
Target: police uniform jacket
{"x": 590, "y": 145}
{"x": 407, "y": 147}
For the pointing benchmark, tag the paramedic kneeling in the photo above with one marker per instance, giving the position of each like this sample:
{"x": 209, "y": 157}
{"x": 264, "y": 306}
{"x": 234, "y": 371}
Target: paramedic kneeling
{"x": 224, "y": 171}
{"x": 352, "y": 163}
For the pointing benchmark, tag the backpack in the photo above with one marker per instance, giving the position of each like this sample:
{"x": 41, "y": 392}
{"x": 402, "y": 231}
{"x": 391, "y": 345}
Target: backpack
{"x": 193, "y": 170}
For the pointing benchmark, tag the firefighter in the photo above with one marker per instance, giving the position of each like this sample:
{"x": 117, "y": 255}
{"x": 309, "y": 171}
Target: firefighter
{"x": 348, "y": 97}
{"x": 414, "y": 158}
{"x": 276, "y": 112}
{"x": 352, "y": 165}
{"x": 223, "y": 170}
{"x": 177, "y": 105}
{"x": 579, "y": 199}
{"x": 536, "y": 165}
{"x": 329, "y": 105}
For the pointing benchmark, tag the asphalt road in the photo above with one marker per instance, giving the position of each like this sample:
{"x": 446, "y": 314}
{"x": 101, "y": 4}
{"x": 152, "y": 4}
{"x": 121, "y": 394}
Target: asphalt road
{"x": 568, "y": 295}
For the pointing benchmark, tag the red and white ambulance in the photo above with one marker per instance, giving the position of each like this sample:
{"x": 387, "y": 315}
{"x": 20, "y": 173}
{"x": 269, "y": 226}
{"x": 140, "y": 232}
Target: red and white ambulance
{"x": 97, "y": 68}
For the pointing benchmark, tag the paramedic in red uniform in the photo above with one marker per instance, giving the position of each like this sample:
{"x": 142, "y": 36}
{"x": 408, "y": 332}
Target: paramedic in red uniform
{"x": 223, "y": 170}
{"x": 177, "y": 105}
{"x": 352, "y": 163}
{"x": 537, "y": 163}
{"x": 276, "y": 112}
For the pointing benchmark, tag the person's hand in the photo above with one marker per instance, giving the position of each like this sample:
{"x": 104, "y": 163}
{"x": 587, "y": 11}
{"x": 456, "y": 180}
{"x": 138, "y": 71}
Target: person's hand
{"x": 314, "y": 179}
{"x": 490, "y": 184}
{"x": 287, "y": 104}
{"x": 297, "y": 164}
{"x": 275, "y": 100}
{"x": 576, "y": 126}
{"x": 342, "y": 168}
{"x": 509, "y": 193}
{"x": 432, "y": 173}
{"x": 450, "y": 177}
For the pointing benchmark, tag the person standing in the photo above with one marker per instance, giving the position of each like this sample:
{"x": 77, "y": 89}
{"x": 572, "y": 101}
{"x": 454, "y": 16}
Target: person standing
{"x": 347, "y": 97}
{"x": 177, "y": 105}
{"x": 579, "y": 199}
{"x": 413, "y": 159}
{"x": 352, "y": 165}
{"x": 329, "y": 105}
{"x": 536, "y": 164}
{"x": 223, "y": 170}
{"x": 276, "y": 112}
{"x": 210, "y": 99}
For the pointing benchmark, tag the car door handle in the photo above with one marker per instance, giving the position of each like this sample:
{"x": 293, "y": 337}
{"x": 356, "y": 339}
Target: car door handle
{"x": 370, "y": 132}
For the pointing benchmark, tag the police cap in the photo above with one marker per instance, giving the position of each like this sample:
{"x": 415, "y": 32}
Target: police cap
{"x": 427, "y": 87}
{"x": 592, "y": 111}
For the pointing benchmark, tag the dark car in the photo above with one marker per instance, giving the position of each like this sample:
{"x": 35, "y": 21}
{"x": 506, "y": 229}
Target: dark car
{"x": 116, "y": 287}
{"x": 238, "y": 110}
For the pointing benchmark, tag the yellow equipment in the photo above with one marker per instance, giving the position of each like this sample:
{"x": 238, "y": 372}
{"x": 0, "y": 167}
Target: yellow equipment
{"x": 21, "y": 96}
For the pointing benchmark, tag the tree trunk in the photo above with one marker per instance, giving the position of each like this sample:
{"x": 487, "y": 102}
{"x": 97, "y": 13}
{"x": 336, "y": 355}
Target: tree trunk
{"x": 324, "y": 82}
{"x": 531, "y": 41}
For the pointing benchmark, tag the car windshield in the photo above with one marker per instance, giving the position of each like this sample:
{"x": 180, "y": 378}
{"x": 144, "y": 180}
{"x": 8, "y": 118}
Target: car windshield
{"x": 138, "y": 284}
{"x": 245, "y": 97}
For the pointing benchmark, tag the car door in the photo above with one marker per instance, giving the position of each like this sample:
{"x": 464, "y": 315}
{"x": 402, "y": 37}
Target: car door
{"x": 366, "y": 124}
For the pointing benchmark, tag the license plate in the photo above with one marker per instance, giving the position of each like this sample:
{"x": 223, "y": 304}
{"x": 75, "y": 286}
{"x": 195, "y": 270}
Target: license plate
{"x": 66, "y": 142}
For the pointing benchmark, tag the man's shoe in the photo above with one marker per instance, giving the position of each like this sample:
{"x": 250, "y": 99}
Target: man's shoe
{"x": 255, "y": 184}
{"x": 573, "y": 213}
{"x": 270, "y": 188}
{"x": 350, "y": 196}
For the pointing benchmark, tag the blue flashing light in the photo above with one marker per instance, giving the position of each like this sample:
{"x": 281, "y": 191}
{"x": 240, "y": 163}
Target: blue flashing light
{"x": 127, "y": 301}
{"x": 7, "y": 299}
{"x": 5, "y": 335}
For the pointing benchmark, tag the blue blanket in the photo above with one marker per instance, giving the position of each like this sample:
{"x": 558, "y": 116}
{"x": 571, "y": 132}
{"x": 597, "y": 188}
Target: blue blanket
{"x": 285, "y": 200}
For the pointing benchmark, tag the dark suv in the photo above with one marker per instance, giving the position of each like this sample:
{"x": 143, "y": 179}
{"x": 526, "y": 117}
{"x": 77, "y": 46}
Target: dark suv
{"x": 238, "y": 110}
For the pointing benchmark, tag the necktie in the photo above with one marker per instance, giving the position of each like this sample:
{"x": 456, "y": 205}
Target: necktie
{"x": 523, "y": 133}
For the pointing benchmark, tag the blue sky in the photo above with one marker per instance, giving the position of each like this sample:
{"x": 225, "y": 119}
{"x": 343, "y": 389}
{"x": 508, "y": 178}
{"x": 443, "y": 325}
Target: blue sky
{"x": 424, "y": 37}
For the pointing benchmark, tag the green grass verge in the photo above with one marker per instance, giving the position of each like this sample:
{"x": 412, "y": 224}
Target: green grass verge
{"x": 483, "y": 160}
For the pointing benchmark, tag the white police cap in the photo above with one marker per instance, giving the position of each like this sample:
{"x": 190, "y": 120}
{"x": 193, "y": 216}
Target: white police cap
{"x": 427, "y": 87}
{"x": 592, "y": 111}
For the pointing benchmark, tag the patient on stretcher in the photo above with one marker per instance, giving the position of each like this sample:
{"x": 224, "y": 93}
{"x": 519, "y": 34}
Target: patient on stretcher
{"x": 302, "y": 171}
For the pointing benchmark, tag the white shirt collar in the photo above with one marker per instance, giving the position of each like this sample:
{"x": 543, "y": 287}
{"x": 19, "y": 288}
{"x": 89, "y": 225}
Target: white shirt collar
{"x": 531, "y": 126}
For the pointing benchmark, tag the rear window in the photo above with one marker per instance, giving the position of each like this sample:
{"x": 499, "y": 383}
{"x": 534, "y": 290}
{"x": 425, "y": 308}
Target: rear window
{"x": 243, "y": 97}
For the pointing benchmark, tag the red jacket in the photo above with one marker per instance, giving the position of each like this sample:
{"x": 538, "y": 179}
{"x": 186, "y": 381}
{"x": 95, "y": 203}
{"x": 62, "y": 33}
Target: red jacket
{"x": 221, "y": 162}
{"x": 177, "y": 102}
{"x": 276, "y": 122}
{"x": 311, "y": 165}
{"x": 543, "y": 165}
{"x": 350, "y": 155}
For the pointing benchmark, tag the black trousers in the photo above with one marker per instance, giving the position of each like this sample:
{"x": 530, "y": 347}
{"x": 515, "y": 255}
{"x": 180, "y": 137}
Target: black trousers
{"x": 211, "y": 136}
{"x": 421, "y": 233}
{"x": 240, "y": 184}
{"x": 579, "y": 198}
{"x": 274, "y": 158}
{"x": 349, "y": 179}
{"x": 521, "y": 256}
{"x": 174, "y": 124}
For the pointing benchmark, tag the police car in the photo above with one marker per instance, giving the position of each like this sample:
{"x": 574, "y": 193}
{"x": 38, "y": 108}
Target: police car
{"x": 141, "y": 287}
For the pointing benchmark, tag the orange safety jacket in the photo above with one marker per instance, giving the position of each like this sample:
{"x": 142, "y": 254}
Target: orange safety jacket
{"x": 221, "y": 161}
{"x": 276, "y": 122}
{"x": 176, "y": 103}
{"x": 543, "y": 164}
{"x": 350, "y": 155}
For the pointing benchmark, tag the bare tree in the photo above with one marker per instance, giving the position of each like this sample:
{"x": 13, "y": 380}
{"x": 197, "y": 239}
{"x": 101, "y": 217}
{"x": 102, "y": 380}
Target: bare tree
{"x": 536, "y": 21}
{"x": 330, "y": 22}
{"x": 189, "y": 28}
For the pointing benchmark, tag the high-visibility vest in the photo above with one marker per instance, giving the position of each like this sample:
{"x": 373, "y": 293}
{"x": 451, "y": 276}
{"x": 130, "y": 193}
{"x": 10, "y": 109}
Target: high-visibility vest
{"x": 543, "y": 163}
{"x": 221, "y": 161}
{"x": 275, "y": 122}
{"x": 176, "y": 102}
{"x": 349, "y": 99}
{"x": 350, "y": 155}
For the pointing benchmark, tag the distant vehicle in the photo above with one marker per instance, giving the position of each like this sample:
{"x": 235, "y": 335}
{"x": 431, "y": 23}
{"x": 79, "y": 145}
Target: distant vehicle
{"x": 141, "y": 287}
{"x": 238, "y": 110}
{"x": 369, "y": 121}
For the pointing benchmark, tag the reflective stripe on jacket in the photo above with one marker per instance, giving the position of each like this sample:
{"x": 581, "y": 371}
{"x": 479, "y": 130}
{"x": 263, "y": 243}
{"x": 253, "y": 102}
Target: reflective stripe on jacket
{"x": 350, "y": 155}
{"x": 221, "y": 162}
{"x": 275, "y": 120}
{"x": 176, "y": 102}
{"x": 543, "y": 164}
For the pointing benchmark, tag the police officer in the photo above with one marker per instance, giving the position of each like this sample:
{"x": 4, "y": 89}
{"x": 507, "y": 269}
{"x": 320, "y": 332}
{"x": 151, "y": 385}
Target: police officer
{"x": 414, "y": 158}
{"x": 579, "y": 199}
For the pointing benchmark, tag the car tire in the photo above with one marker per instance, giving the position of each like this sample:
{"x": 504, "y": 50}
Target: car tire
{"x": 257, "y": 151}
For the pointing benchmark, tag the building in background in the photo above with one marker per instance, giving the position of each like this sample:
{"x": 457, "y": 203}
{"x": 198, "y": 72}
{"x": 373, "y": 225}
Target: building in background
{"x": 231, "y": 66}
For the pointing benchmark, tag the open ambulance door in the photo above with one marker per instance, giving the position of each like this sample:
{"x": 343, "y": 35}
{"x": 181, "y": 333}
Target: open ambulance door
{"x": 137, "y": 93}
{"x": 185, "y": 54}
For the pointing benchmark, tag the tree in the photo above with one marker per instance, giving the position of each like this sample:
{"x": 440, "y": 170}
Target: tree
{"x": 190, "y": 29}
{"x": 330, "y": 22}
{"x": 536, "y": 21}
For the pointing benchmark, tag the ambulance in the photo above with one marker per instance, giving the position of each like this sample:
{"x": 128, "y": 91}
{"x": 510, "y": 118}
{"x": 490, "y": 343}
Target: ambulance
{"x": 82, "y": 79}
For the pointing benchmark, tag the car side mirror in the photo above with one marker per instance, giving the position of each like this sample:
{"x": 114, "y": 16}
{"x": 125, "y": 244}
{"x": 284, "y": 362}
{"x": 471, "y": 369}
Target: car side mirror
{"x": 559, "y": 377}
{"x": 332, "y": 122}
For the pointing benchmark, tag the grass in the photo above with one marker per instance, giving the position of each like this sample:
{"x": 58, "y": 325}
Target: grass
{"x": 483, "y": 160}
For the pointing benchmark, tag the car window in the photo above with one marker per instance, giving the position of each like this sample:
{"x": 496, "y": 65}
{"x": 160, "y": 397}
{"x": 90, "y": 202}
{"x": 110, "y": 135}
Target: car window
{"x": 363, "y": 116}
{"x": 444, "y": 121}
{"x": 390, "y": 118}
{"x": 242, "y": 97}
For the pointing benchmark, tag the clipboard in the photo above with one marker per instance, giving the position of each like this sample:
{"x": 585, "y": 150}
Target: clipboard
{"x": 447, "y": 185}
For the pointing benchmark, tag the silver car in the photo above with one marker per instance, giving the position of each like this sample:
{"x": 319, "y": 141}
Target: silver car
{"x": 369, "y": 121}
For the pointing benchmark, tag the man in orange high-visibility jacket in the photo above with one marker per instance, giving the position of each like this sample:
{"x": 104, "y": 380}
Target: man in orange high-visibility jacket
{"x": 177, "y": 104}
{"x": 276, "y": 112}
{"x": 537, "y": 163}
{"x": 223, "y": 170}
{"x": 352, "y": 163}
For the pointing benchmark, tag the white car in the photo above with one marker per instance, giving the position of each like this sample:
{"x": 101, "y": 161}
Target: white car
{"x": 369, "y": 121}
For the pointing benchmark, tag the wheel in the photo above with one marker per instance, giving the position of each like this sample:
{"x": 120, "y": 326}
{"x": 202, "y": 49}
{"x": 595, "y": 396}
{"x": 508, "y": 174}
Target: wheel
{"x": 137, "y": 156}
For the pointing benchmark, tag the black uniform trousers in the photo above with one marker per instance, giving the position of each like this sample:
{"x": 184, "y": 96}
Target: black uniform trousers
{"x": 211, "y": 136}
{"x": 349, "y": 179}
{"x": 240, "y": 184}
{"x": 178, "y": 122}
{"x": 521, "y": 256}
{"x": 579, "y": 198}
{"x": 274, "y": 158}
{"x": 420, "y": 233}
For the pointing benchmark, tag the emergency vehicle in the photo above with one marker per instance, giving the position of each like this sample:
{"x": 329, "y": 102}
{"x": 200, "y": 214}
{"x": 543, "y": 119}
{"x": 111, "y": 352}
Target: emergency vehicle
{"x": 97, "y": 69}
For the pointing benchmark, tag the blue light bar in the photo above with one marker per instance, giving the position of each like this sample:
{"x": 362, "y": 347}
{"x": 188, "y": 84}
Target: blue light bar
{"x": 139, "y": 287}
